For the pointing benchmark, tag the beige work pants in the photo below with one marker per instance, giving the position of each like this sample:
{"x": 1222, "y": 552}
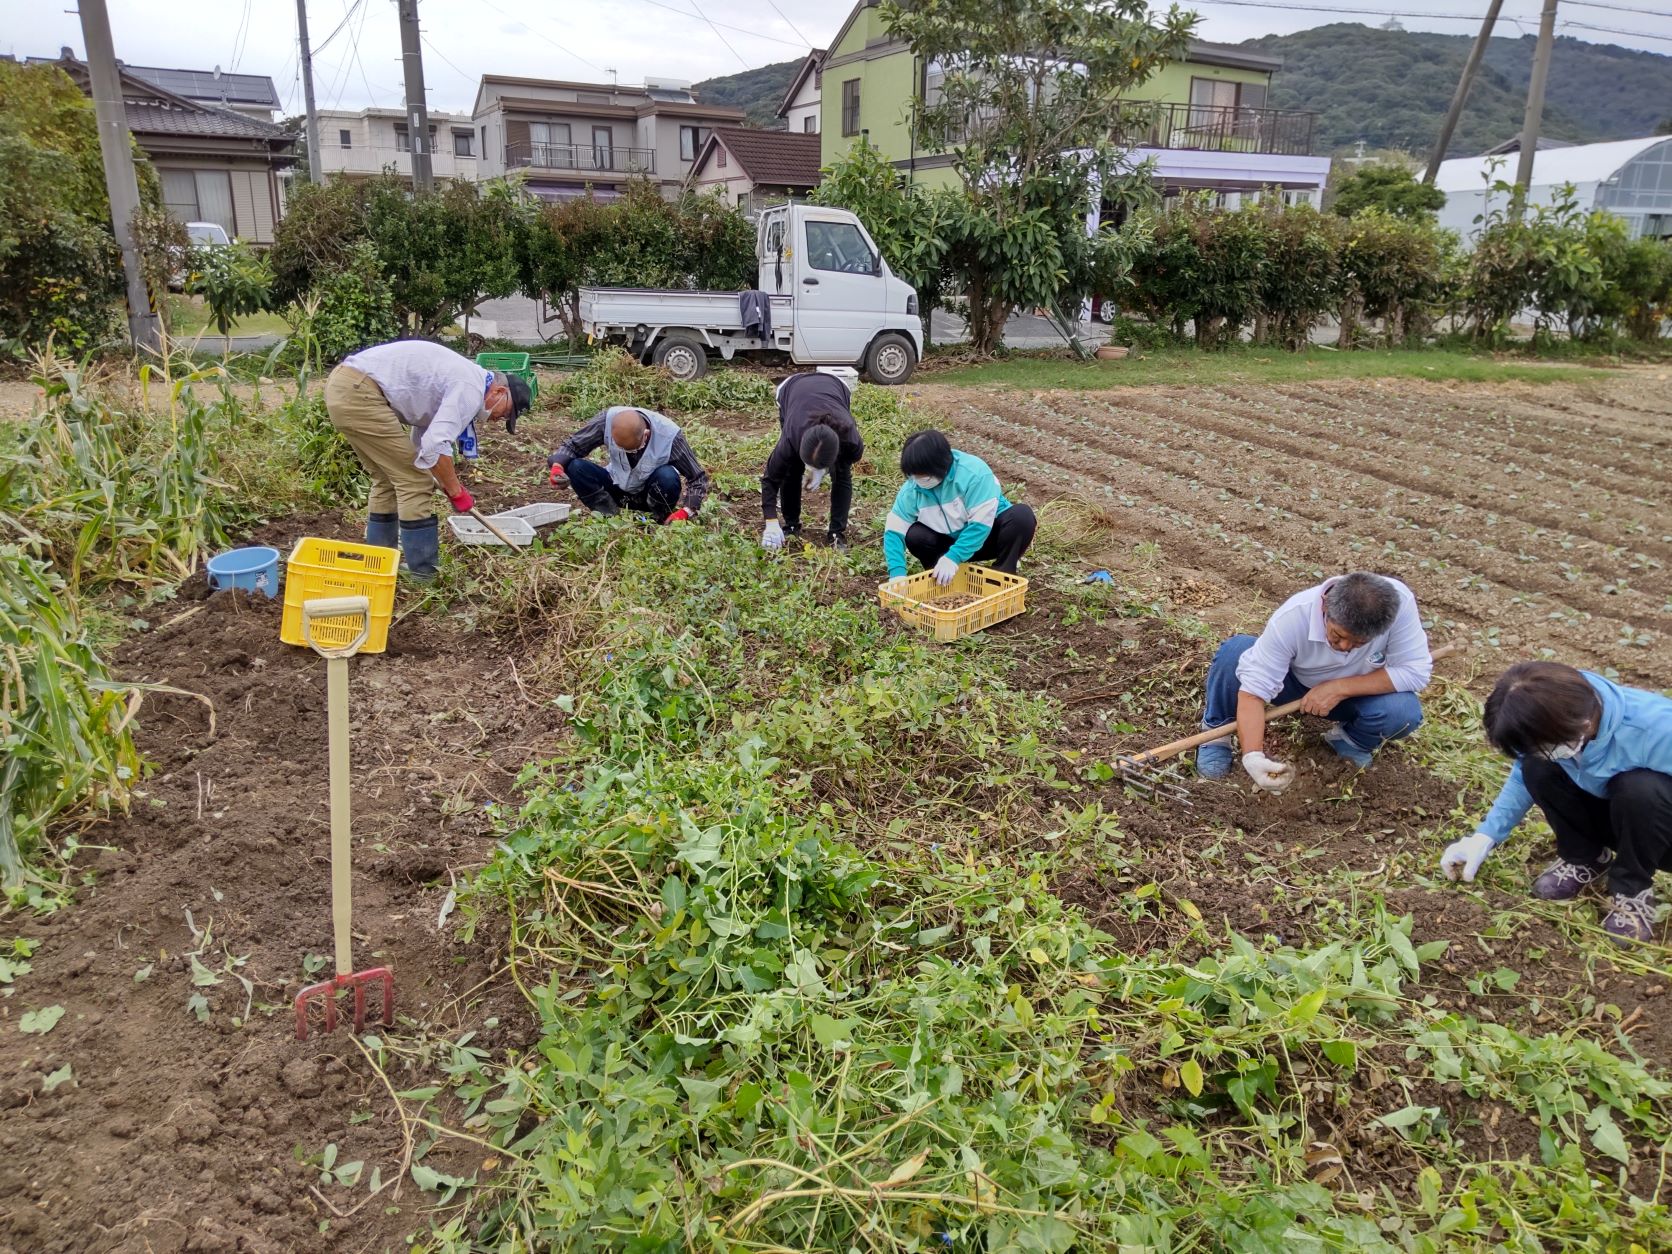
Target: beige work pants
{"x": 382, "y": 442}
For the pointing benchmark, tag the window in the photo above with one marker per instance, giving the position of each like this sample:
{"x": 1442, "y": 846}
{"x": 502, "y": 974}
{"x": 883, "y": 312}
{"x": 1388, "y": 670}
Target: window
{"x": 1219, "y": 93}
{"x": 199, "y": 196}
{"x": 484, "y": 141}
{"x": 839, "y": 246}
{"x": 403, "y": 138}
{"x": 345, "y": 139}
{"x": 810, "y": 124}
{"x": 603, "y": 148}
{"x": 462, "y": 144}
{"x": 550, "y": 144}
{"x": 720, "y": 158}
{"x": 691, "y": 140}
{"x": 548, "y": 133}
{"x": 850, "y": 107}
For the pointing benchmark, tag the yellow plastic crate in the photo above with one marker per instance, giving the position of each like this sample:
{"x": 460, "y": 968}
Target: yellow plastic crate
{"x": 1002, "y": 596}
{"x": 339, "y": 568}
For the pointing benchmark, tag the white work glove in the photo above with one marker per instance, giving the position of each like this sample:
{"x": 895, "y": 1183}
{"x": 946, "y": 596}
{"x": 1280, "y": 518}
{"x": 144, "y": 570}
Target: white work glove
{"x": 944, "y": 570}
{"x": 773, "y": 536}
{"x": 1272, "y": 776}
{"x": 1462, "y": 858}
{"x": 814, "y": 478}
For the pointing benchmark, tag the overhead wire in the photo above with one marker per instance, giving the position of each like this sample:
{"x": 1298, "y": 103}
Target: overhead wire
{"x": 698, "y": 11}
{"x": 790, "y": 24}
{"x": 560, "y": 47}
{"x": 1615, "y": 30}
{"x": 240, "y": 38}
{"x": 347, "y": 18}
{"x": 788, "y": 43}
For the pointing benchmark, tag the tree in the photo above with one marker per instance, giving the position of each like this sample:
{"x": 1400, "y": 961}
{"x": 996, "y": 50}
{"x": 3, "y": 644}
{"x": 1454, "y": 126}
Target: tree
{"x": 1392, "y": 189}
{"x": 1027, "y": 95}
{"x": 60, "y": 269}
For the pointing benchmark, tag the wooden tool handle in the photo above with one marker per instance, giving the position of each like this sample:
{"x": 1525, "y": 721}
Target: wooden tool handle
{"x": 1162, "y": 752}
{"x": 499, "y": 535}
{"x": 342, "y": 891}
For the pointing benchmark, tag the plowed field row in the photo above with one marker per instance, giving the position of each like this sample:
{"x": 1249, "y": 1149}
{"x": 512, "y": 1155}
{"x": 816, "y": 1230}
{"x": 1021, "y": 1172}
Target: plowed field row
{"x": 1534, "y": 522}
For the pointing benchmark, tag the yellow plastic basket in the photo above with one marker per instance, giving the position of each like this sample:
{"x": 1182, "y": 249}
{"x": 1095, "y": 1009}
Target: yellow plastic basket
{"x": 339, "y": 568}
{"x": 1002, "y": 596}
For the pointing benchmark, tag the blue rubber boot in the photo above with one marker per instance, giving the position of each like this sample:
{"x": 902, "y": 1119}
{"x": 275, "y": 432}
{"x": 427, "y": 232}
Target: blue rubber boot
{"x": 421, "y": 548}
{"x": 383, "y": 529}
{"x": 1214, "y": 760}
{"x": 1336, "y": 737}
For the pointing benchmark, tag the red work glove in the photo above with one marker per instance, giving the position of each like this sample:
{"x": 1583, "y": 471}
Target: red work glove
{"x": 463, "y": 503}
{"x": 558, "y": 478}
{"x": 679, "y": 515}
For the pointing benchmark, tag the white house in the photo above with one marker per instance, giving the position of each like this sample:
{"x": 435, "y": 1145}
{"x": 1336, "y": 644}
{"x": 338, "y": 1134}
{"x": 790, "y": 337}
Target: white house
{"x": 800, "y": 109}
{"x": 1628, "y": 177}
{"x": 360, "y": 143}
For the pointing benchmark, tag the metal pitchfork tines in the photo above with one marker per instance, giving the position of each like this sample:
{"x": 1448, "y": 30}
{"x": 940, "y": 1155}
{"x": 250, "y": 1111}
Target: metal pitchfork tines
{"x": 1145, "y": 775}
{"x": 335, "y": 628}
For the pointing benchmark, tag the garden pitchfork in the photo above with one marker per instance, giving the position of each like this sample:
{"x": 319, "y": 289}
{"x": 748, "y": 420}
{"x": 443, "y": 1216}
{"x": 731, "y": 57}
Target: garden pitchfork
{"x": 335, "y": 628}
{"x": 1144, "y": 774}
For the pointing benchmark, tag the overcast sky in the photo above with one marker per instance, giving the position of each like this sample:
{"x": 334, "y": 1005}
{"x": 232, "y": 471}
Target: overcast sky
{"x": 359, "y": 64}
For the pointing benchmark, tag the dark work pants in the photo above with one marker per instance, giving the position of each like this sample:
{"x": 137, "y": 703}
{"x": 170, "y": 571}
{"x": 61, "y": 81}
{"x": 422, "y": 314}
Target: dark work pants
{"x": 1634, "y": 820}
{"x": 1009, "y": 539}
{"x": 841, "y": 498}
{"x": 658, "y": 496}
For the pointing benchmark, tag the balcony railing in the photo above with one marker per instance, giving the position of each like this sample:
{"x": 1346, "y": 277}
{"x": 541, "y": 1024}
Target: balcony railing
{"x": 581, "y": 157}
{"x": 1215, "y": 128}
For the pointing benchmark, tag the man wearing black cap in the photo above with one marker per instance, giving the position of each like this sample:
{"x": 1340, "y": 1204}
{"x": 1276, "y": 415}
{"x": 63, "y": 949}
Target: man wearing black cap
{"x": 402, "y": 406}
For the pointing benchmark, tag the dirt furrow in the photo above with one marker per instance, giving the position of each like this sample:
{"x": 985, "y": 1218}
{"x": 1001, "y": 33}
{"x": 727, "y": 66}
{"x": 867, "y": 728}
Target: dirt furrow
{"x": 1422, "y": 433}
{"x": 1603, "y": 593}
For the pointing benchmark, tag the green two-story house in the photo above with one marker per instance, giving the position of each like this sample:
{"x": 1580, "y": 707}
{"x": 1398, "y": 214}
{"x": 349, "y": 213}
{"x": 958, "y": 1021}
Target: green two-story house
{"x": 1202, "y": 120}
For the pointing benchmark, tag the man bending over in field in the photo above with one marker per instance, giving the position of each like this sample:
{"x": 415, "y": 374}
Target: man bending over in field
{"x": 648, "y": 465}
{"x": 1351, "y": 650}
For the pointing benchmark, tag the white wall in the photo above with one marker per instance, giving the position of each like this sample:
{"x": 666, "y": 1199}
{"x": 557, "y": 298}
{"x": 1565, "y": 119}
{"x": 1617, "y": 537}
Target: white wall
{"x": 373, "y": 146}
{"x": 1463, "y": 207}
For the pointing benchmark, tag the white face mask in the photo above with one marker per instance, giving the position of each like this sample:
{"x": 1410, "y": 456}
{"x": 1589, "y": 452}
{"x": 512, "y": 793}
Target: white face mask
{"x": 926, "y": 482}
{"x": 1563, "y": 753}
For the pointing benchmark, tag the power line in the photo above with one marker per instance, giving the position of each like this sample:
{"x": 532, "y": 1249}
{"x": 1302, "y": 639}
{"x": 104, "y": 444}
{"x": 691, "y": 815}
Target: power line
{"x": 438, "y": 52}
{"x": 566, "y": 51}
{"x": 790, "y": 24}
{"x": 721, "y": 37}
{"x": 726, "y": 25}
{"x": 1615, "y": 30}
{"x": 1619, "y": 8}
{"x": 240, "y": 36}
{"x": 347, "y": 18}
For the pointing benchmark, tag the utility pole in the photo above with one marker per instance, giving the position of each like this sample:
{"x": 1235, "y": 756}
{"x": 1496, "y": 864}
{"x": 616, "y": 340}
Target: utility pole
{"x": 316, "y": 172}
{"x": 1535, "y": 104}
{"x": 116, "y": 147}
{"x": 417, "y": 113}
{"x": 1462, "y": 93}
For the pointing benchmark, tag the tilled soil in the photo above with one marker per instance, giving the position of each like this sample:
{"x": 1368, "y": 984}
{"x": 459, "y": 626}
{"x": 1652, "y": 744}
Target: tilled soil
{"x": 181, "y": 1127}
{"x": 1523, "y": 517}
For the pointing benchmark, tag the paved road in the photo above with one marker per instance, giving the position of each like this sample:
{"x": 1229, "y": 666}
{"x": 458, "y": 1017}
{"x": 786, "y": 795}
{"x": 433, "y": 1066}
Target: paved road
{"x": 516, "y": 318}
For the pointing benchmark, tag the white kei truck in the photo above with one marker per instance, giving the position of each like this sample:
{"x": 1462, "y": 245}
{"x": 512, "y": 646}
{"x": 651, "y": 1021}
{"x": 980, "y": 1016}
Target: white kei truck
{"x": 833, "y": 301}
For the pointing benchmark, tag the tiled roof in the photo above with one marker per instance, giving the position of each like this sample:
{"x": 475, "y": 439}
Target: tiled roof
{"x": 786, "y": 158}
{"x": 156, "y": 116}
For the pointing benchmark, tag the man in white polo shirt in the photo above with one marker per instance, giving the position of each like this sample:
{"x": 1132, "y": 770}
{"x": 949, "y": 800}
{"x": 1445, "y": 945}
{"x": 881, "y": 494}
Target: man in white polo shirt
{"x": 1352, "y": 650}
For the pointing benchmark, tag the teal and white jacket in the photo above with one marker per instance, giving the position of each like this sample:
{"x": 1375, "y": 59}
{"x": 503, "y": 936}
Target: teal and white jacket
{"x": 964, "y": 505}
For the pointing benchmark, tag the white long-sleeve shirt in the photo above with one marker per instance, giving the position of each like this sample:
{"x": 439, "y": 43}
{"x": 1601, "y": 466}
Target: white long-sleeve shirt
{"x": 432, "y": 389}
{"x": 1295, "y": 640}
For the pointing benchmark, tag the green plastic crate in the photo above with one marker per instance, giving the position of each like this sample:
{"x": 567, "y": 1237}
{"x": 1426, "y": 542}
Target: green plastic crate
{"x": 512, "y": 363}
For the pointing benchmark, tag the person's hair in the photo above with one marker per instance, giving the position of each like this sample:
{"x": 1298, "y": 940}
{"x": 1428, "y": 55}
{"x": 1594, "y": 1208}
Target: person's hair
{"x": 1537, "y": 705}
{"x": 1362, "y": 605}
{"x": 926, "y": 453}
{"x": 819, "y": 446}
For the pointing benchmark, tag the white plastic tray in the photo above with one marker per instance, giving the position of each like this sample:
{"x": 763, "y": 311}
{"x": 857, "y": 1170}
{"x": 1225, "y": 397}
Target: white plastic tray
{"x": 466, "y": 530}
{"x": 536, "y": 515}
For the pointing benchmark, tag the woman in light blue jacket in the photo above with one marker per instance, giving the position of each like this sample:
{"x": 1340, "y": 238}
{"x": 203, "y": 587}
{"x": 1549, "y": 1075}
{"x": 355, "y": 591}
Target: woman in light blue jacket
{"x": 1596, "y": 757}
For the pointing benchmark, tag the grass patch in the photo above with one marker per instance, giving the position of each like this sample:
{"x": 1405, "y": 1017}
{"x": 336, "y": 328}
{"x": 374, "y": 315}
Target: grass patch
{"x": 1243, "y": 364}
{"x": 188, "y": 318}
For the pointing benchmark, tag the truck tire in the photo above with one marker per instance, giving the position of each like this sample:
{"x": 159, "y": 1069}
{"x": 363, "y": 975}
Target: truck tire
{"x": 681, "y": 355}
{"x": 890, "y": 360}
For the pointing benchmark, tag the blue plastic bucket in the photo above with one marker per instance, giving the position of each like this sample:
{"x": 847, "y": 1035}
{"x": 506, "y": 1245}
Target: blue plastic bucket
{"x": 255, "y": 569}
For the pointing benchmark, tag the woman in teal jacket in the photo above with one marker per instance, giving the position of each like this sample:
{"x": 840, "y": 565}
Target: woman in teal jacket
{"x": 1596, "y": 757}
{"x": 950, "y": 510}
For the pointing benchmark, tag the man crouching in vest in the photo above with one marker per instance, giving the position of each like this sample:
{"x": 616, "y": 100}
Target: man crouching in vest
{"x": 649, "y": 466}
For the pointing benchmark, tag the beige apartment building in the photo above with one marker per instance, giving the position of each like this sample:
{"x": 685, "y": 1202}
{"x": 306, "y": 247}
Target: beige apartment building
{"x": 568, "y": 138}
{"x": 361, "y": 143}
